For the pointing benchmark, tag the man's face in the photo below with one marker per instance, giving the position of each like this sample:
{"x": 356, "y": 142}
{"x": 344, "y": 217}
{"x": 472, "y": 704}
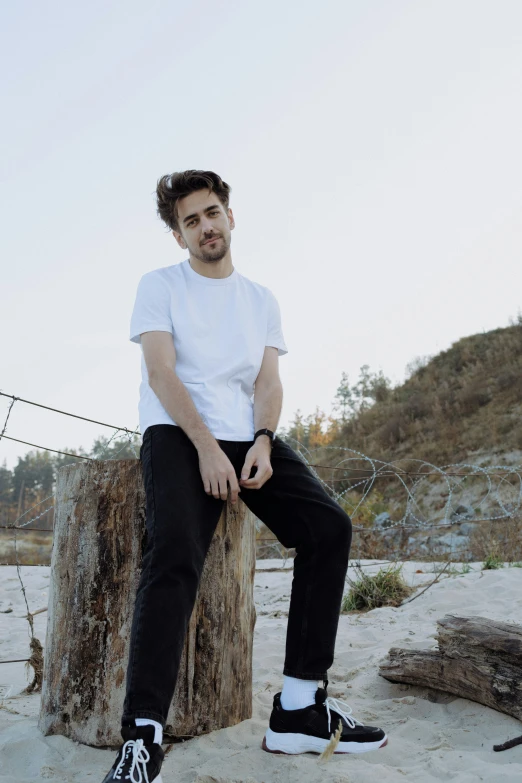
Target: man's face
{"x": 205, "y": 226}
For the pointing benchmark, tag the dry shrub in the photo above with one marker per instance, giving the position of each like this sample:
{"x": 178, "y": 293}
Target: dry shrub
{"x": 385, "y": 588}
{"x": 507, "y": 379}
{"x": 501, "y": 539}
{"x": 391, "y": 432}
{"x": 417, "y": 406}
{"x": 474, "y": 396}
{"x": 374, "y": 545}
{"x": 32, "y": 547}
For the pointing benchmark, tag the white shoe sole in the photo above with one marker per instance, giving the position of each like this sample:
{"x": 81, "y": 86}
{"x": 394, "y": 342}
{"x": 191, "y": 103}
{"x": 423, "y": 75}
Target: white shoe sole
{"x": 275, "y": 742}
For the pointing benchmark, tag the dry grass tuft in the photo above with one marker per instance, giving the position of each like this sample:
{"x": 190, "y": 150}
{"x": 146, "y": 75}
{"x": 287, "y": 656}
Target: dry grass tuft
{"x": 385, "y": 588}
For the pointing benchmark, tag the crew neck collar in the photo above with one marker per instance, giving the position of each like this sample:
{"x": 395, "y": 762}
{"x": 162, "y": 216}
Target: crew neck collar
{"x": 197, "y": 278}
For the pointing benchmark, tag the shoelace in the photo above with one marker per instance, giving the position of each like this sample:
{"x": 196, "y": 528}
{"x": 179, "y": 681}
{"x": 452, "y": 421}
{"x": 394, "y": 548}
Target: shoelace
{"x": 140, "y": 755}
{"x": 343, "y": 709}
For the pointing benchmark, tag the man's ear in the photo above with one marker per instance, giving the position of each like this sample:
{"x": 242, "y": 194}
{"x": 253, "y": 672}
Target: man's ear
{"x": 179, "y": 239}
{"x": 231, "y": 220}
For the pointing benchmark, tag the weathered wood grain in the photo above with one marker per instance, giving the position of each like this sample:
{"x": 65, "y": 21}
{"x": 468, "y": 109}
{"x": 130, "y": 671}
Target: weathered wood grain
{"x": 477, "y": 659}
{"x": 98, "y": 542}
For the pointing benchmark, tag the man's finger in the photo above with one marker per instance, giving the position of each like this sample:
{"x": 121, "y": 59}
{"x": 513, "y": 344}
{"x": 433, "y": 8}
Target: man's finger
{"x": 247, "y": 467}
{"x": 256, "y": 481}
{"x": 234, "y": 487}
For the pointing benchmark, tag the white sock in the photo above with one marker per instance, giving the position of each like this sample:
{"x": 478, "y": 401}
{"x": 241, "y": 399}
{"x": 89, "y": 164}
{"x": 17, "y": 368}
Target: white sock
{"x": 297, "y": 693}
{"x": 158, "y": 736}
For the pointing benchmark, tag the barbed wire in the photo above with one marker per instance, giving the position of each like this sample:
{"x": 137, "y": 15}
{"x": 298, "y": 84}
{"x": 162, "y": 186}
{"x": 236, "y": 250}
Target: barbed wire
{"x": 129, "y": 434}
{"x": 14, "y": 399}
{"x": 388, "y": 468}
{"x": 7, "y": 418}
{"x": 36, "y": 658}
{"x": 46, "y": 448}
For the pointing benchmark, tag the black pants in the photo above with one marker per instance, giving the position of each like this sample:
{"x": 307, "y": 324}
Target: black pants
{"x": 181, "y": 519}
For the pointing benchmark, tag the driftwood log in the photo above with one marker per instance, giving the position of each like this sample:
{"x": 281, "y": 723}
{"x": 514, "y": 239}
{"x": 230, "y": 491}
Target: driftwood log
{"x": 99, "y": 537}
{"x": 478, "y": 659}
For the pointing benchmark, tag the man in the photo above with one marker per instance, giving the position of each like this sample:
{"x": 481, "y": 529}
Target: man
{"x": 210, "y": 401}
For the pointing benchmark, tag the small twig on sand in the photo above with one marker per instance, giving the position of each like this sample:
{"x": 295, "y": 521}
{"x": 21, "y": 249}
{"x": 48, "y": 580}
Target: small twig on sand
{"x": 427, "y": 586}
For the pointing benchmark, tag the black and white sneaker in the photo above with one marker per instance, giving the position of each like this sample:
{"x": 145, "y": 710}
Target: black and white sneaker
{"x": 139, "y": 759}
{"x": 310, "y": 730}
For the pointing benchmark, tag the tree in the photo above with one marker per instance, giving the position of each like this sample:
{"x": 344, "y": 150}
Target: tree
{"x": 314, "y": 429}
{"x": 344, "y": 399}
{"x": 295, "y": 432}
{"x": 121, "y": 448}
{"x": 350, "y": 401}
{"x": 6, "y": 484}
{"x": 36, "y": 471}
{"x": 60, "y": 460}
{"x": 416, "y": 364}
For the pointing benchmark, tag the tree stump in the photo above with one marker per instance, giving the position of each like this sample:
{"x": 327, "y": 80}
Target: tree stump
{"x": 478, "y": 659}
{"x": 99, "y": 537}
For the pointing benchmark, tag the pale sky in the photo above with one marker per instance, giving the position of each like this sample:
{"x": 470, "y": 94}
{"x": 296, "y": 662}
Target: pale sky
{"x": 374, "y": 154}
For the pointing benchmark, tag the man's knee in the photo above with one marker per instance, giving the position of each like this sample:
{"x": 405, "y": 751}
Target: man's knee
{"x": 337, "y": 533}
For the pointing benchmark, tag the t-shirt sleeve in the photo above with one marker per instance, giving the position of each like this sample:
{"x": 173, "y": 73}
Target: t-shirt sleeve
{"x": 274, "y": 332}
{"x": 151, "y": 311}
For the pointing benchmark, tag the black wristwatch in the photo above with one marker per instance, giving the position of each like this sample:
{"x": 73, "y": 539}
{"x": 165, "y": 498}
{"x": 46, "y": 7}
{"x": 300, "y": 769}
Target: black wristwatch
{"x": 265, "y": 432}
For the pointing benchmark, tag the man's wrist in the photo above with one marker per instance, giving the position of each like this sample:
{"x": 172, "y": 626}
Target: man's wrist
{"x": 266, "y": 434}
{"x": 265, "y": 438}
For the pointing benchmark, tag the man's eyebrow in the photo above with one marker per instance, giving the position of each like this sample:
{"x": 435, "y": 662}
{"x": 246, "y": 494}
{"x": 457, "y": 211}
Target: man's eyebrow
{"x": 195, "y": 214}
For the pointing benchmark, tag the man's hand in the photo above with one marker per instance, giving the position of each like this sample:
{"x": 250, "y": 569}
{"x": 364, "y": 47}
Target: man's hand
{"x": 258, "y": 455}
{"x": 217, "y": 472}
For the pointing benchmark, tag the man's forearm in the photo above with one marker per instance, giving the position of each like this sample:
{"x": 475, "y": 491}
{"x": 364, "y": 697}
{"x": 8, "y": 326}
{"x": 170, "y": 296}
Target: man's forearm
{"x": 268, "y": 401}
{"x": 173, "y": 395}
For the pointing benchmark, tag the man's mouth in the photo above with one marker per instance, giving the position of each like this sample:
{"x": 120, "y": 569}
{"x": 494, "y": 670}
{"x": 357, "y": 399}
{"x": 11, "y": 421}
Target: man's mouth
{"x": 212, "y": 239}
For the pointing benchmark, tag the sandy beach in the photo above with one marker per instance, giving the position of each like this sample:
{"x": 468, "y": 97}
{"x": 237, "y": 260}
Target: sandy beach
{"x": 432, "y": 736}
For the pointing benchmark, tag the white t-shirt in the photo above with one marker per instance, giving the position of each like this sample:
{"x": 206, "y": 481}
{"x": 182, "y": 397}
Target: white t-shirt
{"x": 220, "y": 328}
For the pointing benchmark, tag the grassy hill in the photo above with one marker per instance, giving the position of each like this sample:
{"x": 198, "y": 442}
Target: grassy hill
{"x": 462, "y": 406}
{"x": 465, "y": 400}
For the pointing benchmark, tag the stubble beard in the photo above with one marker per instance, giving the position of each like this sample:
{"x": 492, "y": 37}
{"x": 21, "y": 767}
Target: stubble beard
{"x": 211, "y": 255}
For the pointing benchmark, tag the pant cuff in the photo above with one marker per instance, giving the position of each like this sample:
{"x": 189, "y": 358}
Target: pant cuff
{"x": 304, "y": 675}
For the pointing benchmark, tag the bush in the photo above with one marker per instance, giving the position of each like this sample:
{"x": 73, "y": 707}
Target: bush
{"x": 474, "y": 396}
{"x": 500, "y": 541}
{"x": 385, "y": 588}
{"x": 493, "y": 561}
{"x": 392, "y": 431}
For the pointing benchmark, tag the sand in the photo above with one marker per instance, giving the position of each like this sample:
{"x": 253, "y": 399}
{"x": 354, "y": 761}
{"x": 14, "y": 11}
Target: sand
{"x": 432, "y": 736}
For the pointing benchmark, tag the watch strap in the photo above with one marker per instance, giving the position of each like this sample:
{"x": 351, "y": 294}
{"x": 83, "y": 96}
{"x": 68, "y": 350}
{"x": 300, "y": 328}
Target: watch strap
{"x": 265, "y": 432}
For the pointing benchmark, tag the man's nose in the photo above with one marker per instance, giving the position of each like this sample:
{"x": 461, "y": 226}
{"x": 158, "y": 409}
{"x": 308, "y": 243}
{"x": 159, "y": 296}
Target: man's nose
{"x": 206, "y": 226}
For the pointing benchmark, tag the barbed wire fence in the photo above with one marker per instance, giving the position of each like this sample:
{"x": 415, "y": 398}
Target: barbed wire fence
{"x": 385, "y": 527}
{"x": 378, "y": 536}
{"x": 36, "y": 658}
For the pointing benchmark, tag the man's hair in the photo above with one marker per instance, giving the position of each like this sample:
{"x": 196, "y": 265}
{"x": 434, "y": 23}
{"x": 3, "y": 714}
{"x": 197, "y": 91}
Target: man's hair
{"x": 172, "y": 187}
